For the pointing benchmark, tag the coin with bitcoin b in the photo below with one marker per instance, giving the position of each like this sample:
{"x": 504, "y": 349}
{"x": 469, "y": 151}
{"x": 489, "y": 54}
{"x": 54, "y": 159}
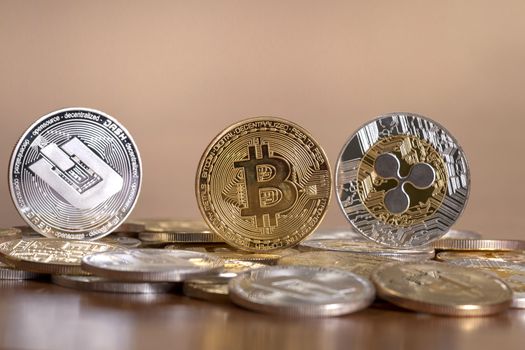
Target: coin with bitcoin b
{"x": 263, "y": 184}
{"x": 402, "y": 180}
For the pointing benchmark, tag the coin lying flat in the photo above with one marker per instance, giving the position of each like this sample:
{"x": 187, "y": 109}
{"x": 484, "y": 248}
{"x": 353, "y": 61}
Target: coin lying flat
{"x": 461, "y": 234}
{"x": 263, "y": 184}
{"x": 177, "y": 231}
{"x": 360, "y": 264}
{"x": 301, "y": 291}
{"x": 402, "y": 180}
{"x": 509, "y": 272}
{"x": 99, "y": 284}
{"x": 213, "y": 289}
{"x": 123, "y": 241}
{"x": 75, "y": 173}
{"x": 228, "y": 253}
{"x": 515, "y": 257}
{"x": 9, "y": 273}
{"x": 151, "y": 265}
{"x": 369, "y": 248}
{"x": 335, "y": 233}
{"x": 478, "y": 244}
{"x": 48, "y": 255}
{"x": 10, "y": 233}
{"x": 441, "y": 289}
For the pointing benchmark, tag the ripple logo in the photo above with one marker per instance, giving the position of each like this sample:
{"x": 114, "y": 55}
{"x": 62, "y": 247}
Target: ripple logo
{"x": 76, "y": 173}
{"x": 421, "y": 176}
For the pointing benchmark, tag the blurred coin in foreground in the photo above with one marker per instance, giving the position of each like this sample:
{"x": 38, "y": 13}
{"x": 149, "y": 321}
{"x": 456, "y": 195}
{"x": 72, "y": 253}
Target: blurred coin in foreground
{"x": 441, "y": 289}
{"x": 511, "y": 273}
{"x": 50, "y": 255}
{"x": 368, "y": 247}
{"x": 10, "y": 273}
{"x": 100, "y": 284}
{"x": 213, "y": 289}
{"x": 478, "y": 244}
{"x": 301, "y": 291}
{"x": 516, "y": 257}
{"x": 151, "y": 265}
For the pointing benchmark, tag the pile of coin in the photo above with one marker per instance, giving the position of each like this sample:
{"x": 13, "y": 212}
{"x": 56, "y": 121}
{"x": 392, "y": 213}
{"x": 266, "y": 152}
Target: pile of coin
{"x": 263, "y": 186}
{"x": 339, "y": 276}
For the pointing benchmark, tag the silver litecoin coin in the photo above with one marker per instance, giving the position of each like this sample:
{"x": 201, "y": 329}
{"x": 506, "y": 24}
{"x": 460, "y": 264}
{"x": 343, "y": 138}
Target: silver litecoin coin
{"x": 402, "y": 180}
{"x": 75, "y": 173}
{"x": 301, "y": 291}
{"x": 151, "y": 265}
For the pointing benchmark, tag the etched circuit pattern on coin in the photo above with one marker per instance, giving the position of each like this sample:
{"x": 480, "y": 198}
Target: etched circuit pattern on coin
{"x": 402, "y": 180}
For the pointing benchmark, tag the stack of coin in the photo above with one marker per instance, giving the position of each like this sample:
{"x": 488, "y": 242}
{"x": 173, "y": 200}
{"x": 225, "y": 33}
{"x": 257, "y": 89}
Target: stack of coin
{"x": 158, "y": 233}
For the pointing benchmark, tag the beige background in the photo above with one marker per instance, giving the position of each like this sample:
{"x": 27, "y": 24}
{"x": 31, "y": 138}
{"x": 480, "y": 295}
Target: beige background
{"x": 177, "y": 72}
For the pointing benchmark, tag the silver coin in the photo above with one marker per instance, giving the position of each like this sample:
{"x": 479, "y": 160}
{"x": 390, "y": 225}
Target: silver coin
{"x": 75, "y": 173}
{"x": 301, "y": 291}
{"x": 151, "y": 265}
{"x": 10, "y": 273}
{"x": 100, "y": 284}
{"x": 402, "y": 180}
{"x": 368, "y": 248}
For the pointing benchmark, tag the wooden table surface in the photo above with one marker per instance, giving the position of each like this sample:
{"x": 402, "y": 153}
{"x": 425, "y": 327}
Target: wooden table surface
{"x": 39, "y": 315}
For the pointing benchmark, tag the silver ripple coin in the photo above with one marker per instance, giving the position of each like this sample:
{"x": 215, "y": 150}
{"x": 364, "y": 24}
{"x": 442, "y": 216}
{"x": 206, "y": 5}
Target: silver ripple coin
{"x": 301, "y": 291}
{"x": 402, "y": 180}
{"x": 75, "y": 173}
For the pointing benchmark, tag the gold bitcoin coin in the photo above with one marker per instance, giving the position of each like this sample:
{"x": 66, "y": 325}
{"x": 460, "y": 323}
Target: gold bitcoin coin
{"x": 263, "y": 184}
{"x": 441, "y": 289}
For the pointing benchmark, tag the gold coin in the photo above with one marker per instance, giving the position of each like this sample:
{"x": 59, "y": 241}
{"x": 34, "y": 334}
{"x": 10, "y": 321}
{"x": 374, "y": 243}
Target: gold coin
{"x": 263, "y": 184}
{"x": 50, "y": 255}
{"x": 361, "y": 264}
{"x": 209, "y": 288}
{"x": 178, "y": 231}
{"x": 441, "y": 289}
{"x": 10, "y": 233}
{"x": 511, "y": 271}
{"x": 517, "y": 257}
{"x": 227, "y": 253}
{"x": 478, "y": 244}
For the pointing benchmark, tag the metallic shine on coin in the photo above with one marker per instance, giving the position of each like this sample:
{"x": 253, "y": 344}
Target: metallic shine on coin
{"x": 301, "y": 291}
{"x": 76, "y": 174}
{"x": 402, "y": 180}
{"x": 263, "y": 184}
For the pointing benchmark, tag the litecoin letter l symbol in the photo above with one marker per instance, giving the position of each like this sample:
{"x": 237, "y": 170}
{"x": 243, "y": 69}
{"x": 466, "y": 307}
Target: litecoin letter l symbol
{"x": 267, "y": 186}
{"x": 76, "y": 173}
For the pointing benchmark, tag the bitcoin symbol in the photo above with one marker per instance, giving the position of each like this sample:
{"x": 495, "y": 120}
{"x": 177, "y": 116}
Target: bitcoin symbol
{"x": 268, "y": 190}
